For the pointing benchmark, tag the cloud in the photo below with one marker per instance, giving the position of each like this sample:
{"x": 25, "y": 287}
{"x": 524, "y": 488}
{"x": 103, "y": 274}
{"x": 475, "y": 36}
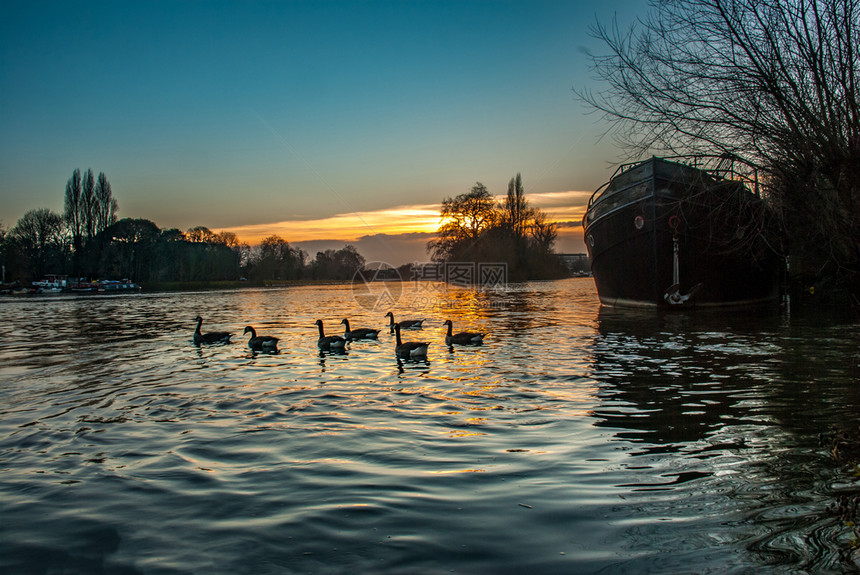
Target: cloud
{"x": 348, "y": 227}
{"x": 570, "y": 199}
{"x": 400, "y": 234}
{"x": 392, "y": 249}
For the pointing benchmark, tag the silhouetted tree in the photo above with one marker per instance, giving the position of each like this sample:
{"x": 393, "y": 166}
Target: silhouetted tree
{"x": 90, "y": 208}
{"x": 339, "y": 264}
{"x": 130, "y": 249}
{"x": 275, "y": 260}
{"x": 88, "y": 204}
{"x": 74, "y": 211}
{"x": 40, "y": 235}
{"x": 476, "y": 228}
{"x": 173, "y": 264}
{"x": 543, "y": 232}
{"x": 199, "y": 234}
{"x": 515, "y": 211}
{"x": 229, "y": 239}
{"x": 106, "y": 206}
{"x": 464, "y": 219}
{"x": 770, "y": 83}
{"x": 4, "y": 253}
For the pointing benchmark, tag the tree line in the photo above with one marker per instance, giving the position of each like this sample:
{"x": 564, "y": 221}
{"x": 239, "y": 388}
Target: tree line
{"x": 477, "y": 228}
{"x": 88, "y": 241}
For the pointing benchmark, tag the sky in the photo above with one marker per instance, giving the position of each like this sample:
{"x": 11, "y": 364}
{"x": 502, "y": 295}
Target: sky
{"x": 325, "y": 123}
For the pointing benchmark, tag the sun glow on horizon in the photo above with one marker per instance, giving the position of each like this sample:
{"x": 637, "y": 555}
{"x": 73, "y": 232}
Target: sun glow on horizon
{"x": 566, "y": 208}
{"x": 347, "y": 227}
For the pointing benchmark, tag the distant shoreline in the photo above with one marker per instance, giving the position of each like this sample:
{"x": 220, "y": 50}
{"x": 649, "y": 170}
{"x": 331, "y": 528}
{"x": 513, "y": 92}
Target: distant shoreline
{"x": 152, "y": 287}
{"x": 166, "y": 287}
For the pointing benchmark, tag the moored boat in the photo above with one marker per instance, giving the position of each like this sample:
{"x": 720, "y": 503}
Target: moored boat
{"x": 118, "y": 286}
{"x": 663, "y": 233}
{"x": 50, "y": 284}
{"x": 83, "y": 286}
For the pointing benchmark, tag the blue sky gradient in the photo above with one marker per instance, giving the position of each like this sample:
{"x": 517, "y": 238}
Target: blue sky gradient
{"x": 231, "y": 114}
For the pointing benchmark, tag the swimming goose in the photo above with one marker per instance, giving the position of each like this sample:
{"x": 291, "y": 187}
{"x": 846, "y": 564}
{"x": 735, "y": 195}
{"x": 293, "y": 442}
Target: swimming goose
{"x": 261, "y": 342}
{"x": 464, "y": 337}
{"x": 410, "y": 349}
{"x": 359, "y": 333}
{"x": 211, "y": 337}
{"x": 405, "y": 323}
{"x": 329, "y": 341}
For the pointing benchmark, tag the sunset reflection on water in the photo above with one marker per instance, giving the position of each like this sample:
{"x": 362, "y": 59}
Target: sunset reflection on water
{"x": 574, "y": 439}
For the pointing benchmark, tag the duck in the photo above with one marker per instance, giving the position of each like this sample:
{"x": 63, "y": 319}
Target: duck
{"x": 211, "y": 337}
{"x": 329, "y": 341}
{"x": 261, "y": 342}
{"x": 410, "y": 349}
{"x": 359, "y": 333}
{"x": 464, "y": 337}
{"x": 405, "y": 323}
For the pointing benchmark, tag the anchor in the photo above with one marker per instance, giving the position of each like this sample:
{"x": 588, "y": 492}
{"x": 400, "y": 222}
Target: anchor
{"x": 673, "y": 295}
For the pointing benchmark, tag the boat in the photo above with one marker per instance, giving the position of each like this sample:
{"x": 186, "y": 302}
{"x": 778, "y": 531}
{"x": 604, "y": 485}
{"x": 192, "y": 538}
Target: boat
{"x": 668, "y": 233}
{"x": 83, "y": 286}
{"x": 50, "y": 284}
{"x": 118, "y": 286}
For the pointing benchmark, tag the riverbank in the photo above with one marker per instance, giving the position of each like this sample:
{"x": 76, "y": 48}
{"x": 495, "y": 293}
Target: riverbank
{"x": 155, "y": 287}
{"x": 233, "y": 284}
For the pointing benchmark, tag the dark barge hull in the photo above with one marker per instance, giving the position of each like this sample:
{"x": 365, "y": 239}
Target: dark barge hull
{"x": 659, "y": 216}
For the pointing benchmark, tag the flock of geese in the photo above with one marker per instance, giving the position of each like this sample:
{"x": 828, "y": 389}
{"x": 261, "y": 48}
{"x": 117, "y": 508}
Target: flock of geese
{"x": 403, "y": 349}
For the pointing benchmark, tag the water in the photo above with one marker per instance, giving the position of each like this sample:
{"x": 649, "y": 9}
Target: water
{"x": 577, "y": 439}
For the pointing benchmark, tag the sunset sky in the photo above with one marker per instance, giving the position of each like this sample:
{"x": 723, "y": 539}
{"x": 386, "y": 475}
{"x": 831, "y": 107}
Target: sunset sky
{"x": 322, "y": 122}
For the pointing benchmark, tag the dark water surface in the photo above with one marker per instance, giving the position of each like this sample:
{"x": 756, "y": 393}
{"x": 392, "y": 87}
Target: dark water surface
{"x": 577, "y": 439}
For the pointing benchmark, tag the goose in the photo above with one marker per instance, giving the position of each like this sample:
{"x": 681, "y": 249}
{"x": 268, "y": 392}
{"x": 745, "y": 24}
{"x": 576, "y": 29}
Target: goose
{"x": 464, "y": 337}
{"x": 329, "y": 341}
{"x": 211, "y": 337}
{"x": 261, "y": 342}
{"x": 410, "y": 349}
{"x": 359, "y": 333}
{"x": 405, "y": 323}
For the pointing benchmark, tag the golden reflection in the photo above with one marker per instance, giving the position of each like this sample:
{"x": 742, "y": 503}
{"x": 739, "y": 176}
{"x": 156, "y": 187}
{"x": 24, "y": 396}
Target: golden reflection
{"x": 450, "y": 471}
{"x": 461, "y": 433}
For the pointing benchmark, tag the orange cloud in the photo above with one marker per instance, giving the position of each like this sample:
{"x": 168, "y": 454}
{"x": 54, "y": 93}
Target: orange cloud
{"x": 347, "y": 227}
{"x": 566, "y": 208}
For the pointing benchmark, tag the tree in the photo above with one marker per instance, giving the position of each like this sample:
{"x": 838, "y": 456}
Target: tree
{"x": 772, "y": 84}
{"x": 543, "y": 232}
{"x": 88, "y": 204}
{"x": 229, "y": 239}
{"x": 477, "y": 228}
{"x": 464, "y": 219}
{"x": 516, "y": 212}
{"x": 339, "y": 264}
{"x": 131, "y": 249}
{"x": 73, "y": 212}
{"x": 41, "y": 238}
{"x": 90, "y": 208}
{"x": 106, "y": 206}
{"x": 4, "y": 251}
{"x": 276, "y": 260}
{"x": 200, "y": 234}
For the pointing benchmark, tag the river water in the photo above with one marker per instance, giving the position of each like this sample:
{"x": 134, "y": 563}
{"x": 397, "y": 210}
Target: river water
{"x": 577, "y": 439}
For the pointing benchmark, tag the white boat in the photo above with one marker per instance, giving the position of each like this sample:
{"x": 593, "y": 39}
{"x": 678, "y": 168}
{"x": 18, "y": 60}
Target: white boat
{"x": 50, "y": 284}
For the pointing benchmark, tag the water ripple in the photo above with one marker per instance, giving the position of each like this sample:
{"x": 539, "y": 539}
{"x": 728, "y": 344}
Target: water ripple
{"x": 576, "y": 439}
